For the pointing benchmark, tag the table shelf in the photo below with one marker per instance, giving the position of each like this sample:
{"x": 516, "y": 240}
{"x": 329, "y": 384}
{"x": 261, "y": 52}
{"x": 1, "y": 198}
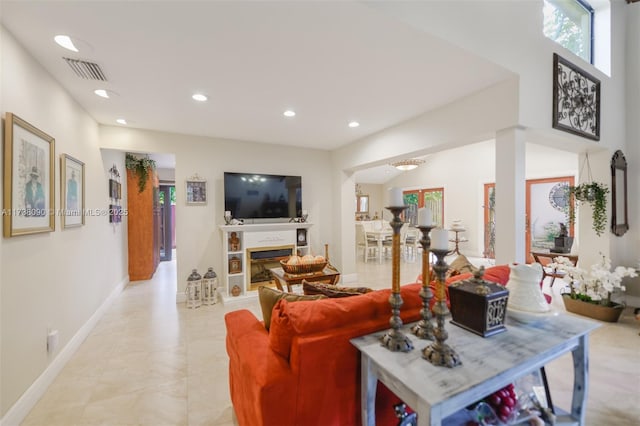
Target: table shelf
{"x": 488, "y": 364}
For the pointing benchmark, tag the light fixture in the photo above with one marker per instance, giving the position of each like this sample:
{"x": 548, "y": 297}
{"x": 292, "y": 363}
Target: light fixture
{"x": 121, "y": 121}
{"x": 353, "y": 124}
{"x": 66, "y": 42}
{"x": 102, "y": 93}
{"x": 406, "y": 165}
{"x": 289, "y": 113}
{"x": 199, "y": 97}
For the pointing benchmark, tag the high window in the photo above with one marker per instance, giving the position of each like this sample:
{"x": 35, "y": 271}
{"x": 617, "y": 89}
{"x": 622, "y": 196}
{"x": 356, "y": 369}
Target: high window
{"x": 570, "y": 24}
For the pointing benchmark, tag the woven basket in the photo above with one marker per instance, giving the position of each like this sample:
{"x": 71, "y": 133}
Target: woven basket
{"x": 303, "y": 268}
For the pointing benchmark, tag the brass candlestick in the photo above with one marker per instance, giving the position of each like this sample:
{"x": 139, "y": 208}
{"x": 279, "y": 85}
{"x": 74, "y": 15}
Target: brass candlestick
{"x": 424, "y": 328}
{"x": 439, "y": 353}
{"x": 394, "y": 339}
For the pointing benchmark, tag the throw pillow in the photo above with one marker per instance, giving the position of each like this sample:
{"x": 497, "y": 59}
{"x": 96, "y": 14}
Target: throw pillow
{"x": 330, "y": 290}
{"x": 460, "y": 265}
{"x": 268, "y": 297}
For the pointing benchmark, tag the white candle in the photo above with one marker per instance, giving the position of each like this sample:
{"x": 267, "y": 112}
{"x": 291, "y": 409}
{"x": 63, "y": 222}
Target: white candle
{"x": 227, "y": 213}
{"x": 395, "y": 197}
{"x": 440, "y": 239}
{"x": 304, "y": 212}
{"x": 425, "y": 218}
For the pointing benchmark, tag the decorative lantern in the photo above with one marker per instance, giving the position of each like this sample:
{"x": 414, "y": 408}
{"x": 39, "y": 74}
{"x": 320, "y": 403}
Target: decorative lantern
{"x": 194, "y": 290}
{"x": 210, "y": 287}
{"x": 479, "y": 306}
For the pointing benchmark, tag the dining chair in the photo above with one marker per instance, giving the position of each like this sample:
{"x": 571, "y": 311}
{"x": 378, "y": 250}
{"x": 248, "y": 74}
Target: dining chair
{"x": 369, "y": 245}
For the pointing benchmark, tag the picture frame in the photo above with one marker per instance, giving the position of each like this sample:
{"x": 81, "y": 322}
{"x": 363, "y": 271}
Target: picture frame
{"x": 196, "y": 190}
{"x": 71, "y": 191}
{"x": 29, "y": 172}
{"x": 576, "y": 100}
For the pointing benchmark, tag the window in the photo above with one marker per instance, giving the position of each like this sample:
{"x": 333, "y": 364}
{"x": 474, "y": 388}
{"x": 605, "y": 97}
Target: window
{"x": 570, "y": 24}
{"x": 429, "y": 197}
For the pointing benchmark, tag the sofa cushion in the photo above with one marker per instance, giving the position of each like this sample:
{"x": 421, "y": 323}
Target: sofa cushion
{"x": 460, "y": 265}
{"x": 291, "y": 319}
{"x": 330, "y": 290}
{"x": 268, "y": 297}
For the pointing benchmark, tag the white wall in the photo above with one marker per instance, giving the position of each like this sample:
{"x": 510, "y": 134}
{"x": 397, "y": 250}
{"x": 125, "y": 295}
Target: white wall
{"x": 464, "y": 171}
{"x": 480, "y": 27}
{"x": 166, "y": 175}
{"x": 376, "y": 201}
{"x": 198, "y": 238}
{"x": 627, "y": 248}
{"x": 61, "y": 279}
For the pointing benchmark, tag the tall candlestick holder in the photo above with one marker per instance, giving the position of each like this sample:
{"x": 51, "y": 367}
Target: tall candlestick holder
{"x": 439, "y": 353}
{"x": 394, "y": 339}
{"x": 424, "y": 328}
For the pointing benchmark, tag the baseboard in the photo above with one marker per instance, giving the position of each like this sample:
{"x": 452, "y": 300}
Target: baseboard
{"x": 32, "y": 395}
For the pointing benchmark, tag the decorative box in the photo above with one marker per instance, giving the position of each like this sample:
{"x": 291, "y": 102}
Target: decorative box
{"x": 479, "y": 306}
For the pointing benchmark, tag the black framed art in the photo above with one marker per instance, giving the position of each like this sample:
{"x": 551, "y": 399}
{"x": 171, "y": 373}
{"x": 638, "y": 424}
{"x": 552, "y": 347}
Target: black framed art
{"x": 576, "y": 100}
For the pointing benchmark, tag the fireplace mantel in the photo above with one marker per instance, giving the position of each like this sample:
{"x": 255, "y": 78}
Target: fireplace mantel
{"x": 235, "y": 285}
{"x": 260, "y": 227}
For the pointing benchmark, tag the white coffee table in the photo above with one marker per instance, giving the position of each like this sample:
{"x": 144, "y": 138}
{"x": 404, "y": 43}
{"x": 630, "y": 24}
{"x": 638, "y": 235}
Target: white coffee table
{"x": 488, "y": 364}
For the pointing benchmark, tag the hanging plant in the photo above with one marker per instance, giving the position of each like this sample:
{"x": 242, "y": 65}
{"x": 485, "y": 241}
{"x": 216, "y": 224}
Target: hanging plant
{"x": 141, "y": 167}
{"x": 595, "y": 194}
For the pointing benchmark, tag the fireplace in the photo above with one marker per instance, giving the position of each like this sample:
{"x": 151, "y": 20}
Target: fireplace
{"x": 261, "y": 259}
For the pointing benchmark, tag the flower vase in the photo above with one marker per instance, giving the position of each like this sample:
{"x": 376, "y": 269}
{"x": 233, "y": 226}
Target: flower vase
{"x": 592, "y": 310}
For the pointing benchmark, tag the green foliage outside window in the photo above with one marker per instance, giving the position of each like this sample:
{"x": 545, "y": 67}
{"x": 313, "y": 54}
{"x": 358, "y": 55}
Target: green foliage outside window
{"x": 568, "y": 23}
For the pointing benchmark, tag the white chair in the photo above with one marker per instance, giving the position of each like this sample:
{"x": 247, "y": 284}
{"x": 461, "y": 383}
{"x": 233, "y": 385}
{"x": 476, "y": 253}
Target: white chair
{"x": 411, "y": 243}
{"x": 369, "y": 245}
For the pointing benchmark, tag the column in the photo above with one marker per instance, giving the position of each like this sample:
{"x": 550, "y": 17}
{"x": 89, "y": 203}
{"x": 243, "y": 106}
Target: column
{"x": 510, "y": 196}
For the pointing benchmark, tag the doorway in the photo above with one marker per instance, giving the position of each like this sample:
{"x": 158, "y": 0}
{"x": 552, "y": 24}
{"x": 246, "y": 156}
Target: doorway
{"x": 546, "y": 204}
{"x": 167, "y": 195}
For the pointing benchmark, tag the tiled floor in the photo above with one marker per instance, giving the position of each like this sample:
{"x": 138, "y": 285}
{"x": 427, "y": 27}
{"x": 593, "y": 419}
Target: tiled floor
{"x": 152, "y": 362}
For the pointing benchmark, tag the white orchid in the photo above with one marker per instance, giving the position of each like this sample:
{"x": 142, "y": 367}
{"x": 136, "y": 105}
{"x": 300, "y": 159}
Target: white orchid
{"x": 596, "y": 284}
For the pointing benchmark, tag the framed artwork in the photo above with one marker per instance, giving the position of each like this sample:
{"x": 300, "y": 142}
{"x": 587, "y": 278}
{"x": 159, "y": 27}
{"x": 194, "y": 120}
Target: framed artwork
{"x": 196, "y": 190}
{"x": 113, "y": 192}
{"x": 29, "y": 172}
{"x": 71, "y": 191}
{"x": 576, "y": 100}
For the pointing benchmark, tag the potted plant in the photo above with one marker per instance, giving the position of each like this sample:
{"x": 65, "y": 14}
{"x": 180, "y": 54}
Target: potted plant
{"x": 142, "y": 167}
{"x": 590, "y": 291}
{"x": 595, "y": 194}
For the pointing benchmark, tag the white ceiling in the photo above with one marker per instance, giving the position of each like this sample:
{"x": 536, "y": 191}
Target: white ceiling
{"x": 332, "y": 62}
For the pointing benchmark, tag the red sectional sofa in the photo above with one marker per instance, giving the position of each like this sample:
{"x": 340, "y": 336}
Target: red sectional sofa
{"x": 304, "y": 371}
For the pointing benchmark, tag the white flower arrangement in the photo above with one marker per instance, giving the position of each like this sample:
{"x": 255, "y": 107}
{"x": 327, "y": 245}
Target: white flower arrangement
{"x": 597, "y": 283}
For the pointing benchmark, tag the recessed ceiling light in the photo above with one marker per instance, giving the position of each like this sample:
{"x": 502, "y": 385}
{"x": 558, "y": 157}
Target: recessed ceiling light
{"x": 121, "y": 121}
{"x": 102, "y": 93}
{"x": 353, "y": 124}
{"x": 66, "y": 42}
{"x": 199, "y": 97}
{"x": 289, "y": 113}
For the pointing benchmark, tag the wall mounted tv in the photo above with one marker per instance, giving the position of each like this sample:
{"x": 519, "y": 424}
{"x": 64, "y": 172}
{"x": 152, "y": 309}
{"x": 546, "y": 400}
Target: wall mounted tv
{"x": 260, "y": 196}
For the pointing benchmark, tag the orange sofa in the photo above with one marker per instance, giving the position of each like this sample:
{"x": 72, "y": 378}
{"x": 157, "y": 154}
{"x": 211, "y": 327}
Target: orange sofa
{"x": 304, "y": 371}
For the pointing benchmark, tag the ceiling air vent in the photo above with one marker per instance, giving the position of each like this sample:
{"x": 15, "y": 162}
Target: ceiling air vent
{"x": 86, "y": 70}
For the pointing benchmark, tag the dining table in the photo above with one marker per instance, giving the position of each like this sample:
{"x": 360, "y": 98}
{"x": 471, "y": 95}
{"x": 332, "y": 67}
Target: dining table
{"x": 379, "y": 235}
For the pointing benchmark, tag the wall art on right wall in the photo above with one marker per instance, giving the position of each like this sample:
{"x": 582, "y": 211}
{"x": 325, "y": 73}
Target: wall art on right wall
{"x": 576, "y": 100}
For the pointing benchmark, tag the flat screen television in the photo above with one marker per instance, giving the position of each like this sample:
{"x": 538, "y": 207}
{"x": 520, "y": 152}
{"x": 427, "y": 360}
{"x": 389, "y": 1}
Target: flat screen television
{"x": 260, "y": 196}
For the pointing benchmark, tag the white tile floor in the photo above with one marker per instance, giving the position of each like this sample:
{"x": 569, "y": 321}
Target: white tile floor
{"x": 152, "y": 362}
